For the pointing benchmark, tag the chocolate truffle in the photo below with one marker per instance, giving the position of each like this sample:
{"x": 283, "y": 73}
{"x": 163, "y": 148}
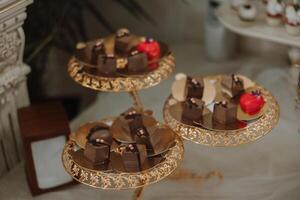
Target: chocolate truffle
{"x": 232, "y": 85}
{"x": 133, "y": 157}
{"x": 192, "y": 109}
{"x": 137, "y": 62}
{"x": 195, "y": 87}
{"x": 225, "y": 112}
{"x": 107, "y": 64}
{"x": 142, "y": 136}
{"x": 97, "y": 149}
{"x": 97, "y": 49}
{"x": 123, "y": 39}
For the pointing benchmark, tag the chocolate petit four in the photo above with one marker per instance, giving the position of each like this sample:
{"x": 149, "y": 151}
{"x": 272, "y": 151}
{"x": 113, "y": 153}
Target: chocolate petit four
{"x": 195, "y": 87}
{"x": 133, "y": 121}
{"x": 97, "y": 149}
{"x": 232, "y": 85}
{"x": 142, "y": 136}
{"x": 89, "y": 52}
{"x": 225, "y": 112}
{"x": 137, "y": 62}
{"x": 192, "y": 109}
{"x": 133, "y": 157}
{"x": 107, "y": 64}
{"x": 122, "y": 41}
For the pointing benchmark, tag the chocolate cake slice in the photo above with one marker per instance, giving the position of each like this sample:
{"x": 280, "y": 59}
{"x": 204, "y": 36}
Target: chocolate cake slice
{"x": 225, "y": 112}
{"x": 97, "y": 149}
{"x": 133, "y": 157}
{"x": 195, "y": 87}
{"x": 192, "y": 109}
{"x": 137, "y": 62}
{"x": 123, "y": 39}
{"x": 232, "y": 85}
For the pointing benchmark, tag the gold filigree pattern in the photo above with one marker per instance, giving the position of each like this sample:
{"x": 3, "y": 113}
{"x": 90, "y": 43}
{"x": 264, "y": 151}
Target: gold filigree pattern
{"x": 122, "y": 180}
{"x": 122, "y": 84}
{"x": 250, "y": 133}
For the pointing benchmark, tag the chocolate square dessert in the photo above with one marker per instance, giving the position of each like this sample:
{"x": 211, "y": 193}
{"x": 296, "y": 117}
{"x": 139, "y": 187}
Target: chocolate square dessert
{"x": 89, "y": 52}
{"x": 133, "y": 121}
{"x": 96, "y": 50}
{"x": 192, "y": 109}
{"x": 123, "y": 39}
{"x": 97, "y": 149}
{"x": 195, "y": 87}
{"x": 133, "y": 157}
{"x": 232, "y": 85}
{"x": 107, "y": 64}
{"x": 137, "y": 62}
{"x": 142, "y": 136}
{"x": 225, "y": 112}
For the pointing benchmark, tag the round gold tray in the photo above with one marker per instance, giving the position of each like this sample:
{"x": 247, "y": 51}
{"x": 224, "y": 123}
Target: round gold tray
{"x": 224, "y": 138}
{"x": 122, "y": 180}
{"x": 124, "y": 83}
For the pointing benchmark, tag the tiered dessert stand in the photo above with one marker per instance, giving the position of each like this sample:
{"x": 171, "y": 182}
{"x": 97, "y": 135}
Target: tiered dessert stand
{"x": 114, "y": 179}
{"x": 224, "y": 138}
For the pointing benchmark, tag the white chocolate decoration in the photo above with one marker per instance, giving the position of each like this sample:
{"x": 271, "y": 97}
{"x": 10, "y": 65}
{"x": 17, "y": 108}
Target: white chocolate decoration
{"x": 178, "y": 89}
{"x": 179, "y": 76}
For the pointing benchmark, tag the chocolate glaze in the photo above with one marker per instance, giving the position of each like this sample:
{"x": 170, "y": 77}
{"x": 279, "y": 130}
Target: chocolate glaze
{"x": 192, "y": 109}
{"x": 137, "y": 62}
{"x": 122, "y": 41}
{"x": 133, "y": 157}
{"x": 97, "y": 149}
{"x": 107, "y": 65}
{"x": 195, "y": 87}
{"x": 225, "y": 112}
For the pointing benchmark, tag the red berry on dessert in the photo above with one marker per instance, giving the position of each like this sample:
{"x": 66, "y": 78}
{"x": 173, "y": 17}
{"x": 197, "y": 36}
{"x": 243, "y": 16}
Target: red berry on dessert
{"x": 152, "y": 49}
{"x": 252, "y": 103}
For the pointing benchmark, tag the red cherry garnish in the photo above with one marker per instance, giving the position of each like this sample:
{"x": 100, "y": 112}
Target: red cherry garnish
{"x": 252, "y": 103}
{"x": 152, "y": 49}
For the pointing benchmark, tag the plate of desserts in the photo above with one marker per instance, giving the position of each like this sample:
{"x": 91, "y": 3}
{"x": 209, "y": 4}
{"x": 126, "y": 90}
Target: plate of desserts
{"x": 132, "y": 142}
{"x": 216, "y": 103}
{"x": 121, "y": 62}
{"x": 121, "y": 54}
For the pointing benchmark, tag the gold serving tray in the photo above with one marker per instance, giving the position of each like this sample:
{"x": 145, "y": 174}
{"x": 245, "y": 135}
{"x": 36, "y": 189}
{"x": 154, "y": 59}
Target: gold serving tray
{"x": 250, "y": 133}
{"x": 114, "y": 179}
{"x": 122, "y": 82}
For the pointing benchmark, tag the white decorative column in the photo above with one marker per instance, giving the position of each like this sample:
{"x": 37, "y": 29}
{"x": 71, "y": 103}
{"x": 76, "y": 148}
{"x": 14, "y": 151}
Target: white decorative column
{"x": 13, "y": 72}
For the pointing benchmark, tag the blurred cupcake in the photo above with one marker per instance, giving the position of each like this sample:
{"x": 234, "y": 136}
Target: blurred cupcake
{"x": 235, "y": 4}
{"x": 247, "y": 12}
{"x": 292, "y": 19}
{"x": 274, "y": 10}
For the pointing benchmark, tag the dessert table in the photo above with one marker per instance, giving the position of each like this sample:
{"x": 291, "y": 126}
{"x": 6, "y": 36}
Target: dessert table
{"x": 266, "y": 169}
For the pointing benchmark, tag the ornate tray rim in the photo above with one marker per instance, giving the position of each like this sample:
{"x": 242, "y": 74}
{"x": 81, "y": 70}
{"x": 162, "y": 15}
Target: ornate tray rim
{"x": 122, "y": 84}
{"x": 114, "y": 180}
{"x": 226, "y": 138}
